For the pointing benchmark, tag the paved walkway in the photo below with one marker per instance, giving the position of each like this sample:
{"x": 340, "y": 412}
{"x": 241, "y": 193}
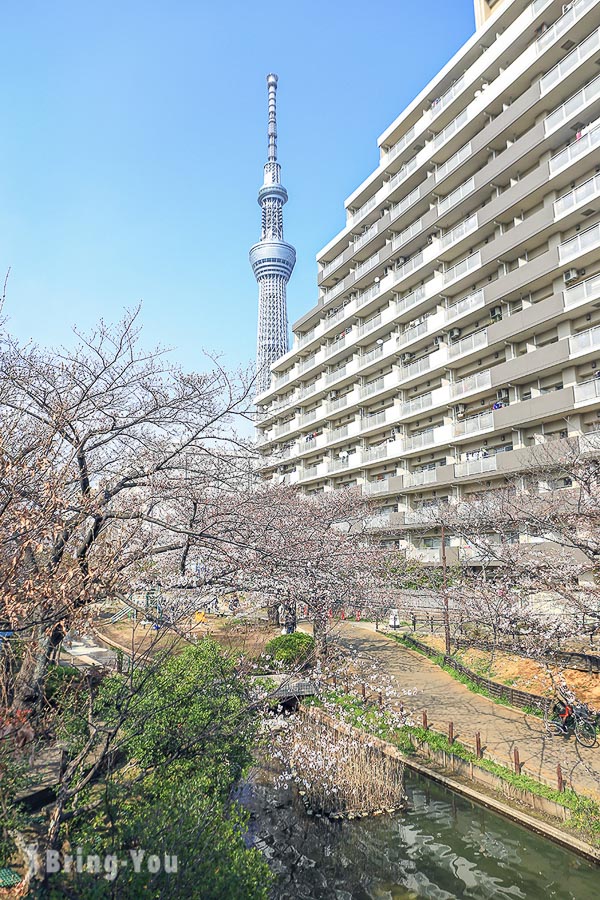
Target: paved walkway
{"x": 502, "y": 728}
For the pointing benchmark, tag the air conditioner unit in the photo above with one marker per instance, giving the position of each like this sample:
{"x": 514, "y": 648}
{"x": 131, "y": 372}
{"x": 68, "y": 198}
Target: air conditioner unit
{"x": 461, "y": 409}
{"x": 570, "y": 275}
{"x": 344, "y": 454}
{"x": 401, "y": 260}
{"x": 502, "y": 394}
{"x": 438, "y": 339}
{"x": 387, "y": 270}
{"x": 406, "y": 357}
{"x": 333, "y": 395}
{"x": 454, "y": 333}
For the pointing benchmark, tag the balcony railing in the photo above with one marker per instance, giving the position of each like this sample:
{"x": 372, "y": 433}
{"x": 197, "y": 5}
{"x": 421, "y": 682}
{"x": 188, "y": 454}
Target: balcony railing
{"x": 473, "y": 342}
{"x": 582, "y": 193}
{"x": 409, "y": 266}
{"x": 451, "y": 129}
{"x": 476, "y": 466}
{"x": 338, "y": 433}
{"x": 333, "y": 292}
{"x": 407, "y": 234}
{"x": 307, "y": 363}
{"x": 366, "y": 266}
{"x": 331, "y": 266}
{"x": 575, "y": 11}
{"x": 363, "y": 210}
{"x": 309, "y": 417}
{"x": 368, "y": 294}
{"x": 411, "y": 299}
{"x": 369, "y": 421}
{"x": 456, "y": 196}
{"x": 479, "y": 381}
{"x": 424, "y": 515}
{"x": 375, "y": 453}
{"x": 424, "y": 401}
{"x": 417, "y": 368}
{"x": 453, "y": 162}
{"x": 369, "y": 357}
{"x": 585, "y": 240}
{"x": 452, "y": 92}
{"x": 376, "y": 487}
{"x": 463, "y": 267}
{"x": 459, "y": 231}
{"x": 585, "y": 340}
{"x": 335, "y": 347}
{"x": 363, "y": 238}
{"x": 572, "y": 106}
{"x": 571, "y": 61}
{"x": 425, "y": 476}
{"x": 398, "y": 208}
{"x": 340, "y": 403}
{"x": 474, "y": 424}
{"x": 585, "y": 290}
{"x": 337, "y": 373}
{"x": 306, "y": 338}
{"x": 588, "y": 141}
{"x": 421, "y": 439}
{"x": 587, "y": 390}
{"x": 399, "y": 146}
{"x": 285, "y": 428}
{"x": 338, "y": 465}
{"x": 414, "y": 332}
{"x": 465, "y": 305}
{"x": 372, "y": 388}
{"x": 368, "y": 326}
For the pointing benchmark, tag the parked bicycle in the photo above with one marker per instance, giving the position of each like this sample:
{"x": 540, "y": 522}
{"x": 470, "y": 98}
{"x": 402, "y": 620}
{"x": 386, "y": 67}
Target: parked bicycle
{"x": 569, "y": 717}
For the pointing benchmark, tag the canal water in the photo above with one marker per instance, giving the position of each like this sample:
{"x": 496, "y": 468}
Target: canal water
{"x": 442, "y": 846}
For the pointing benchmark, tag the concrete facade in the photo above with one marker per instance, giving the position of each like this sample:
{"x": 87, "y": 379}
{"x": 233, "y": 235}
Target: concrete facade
{"x": 457, "y": 324}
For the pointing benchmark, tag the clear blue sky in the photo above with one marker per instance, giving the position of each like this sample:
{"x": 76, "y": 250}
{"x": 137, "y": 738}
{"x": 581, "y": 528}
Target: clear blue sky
{"x": 134, "y": 134}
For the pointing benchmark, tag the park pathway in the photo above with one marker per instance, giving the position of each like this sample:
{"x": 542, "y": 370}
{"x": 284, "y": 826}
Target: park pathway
{"x": 502, "y": 728}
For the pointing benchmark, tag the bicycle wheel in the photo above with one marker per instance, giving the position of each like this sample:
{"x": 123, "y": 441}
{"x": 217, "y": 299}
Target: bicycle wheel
{"x": 585, "y": 734}
{"x": 555, "y": 729}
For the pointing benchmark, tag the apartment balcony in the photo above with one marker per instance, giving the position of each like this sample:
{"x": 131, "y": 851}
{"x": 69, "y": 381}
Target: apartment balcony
{"x": 397, "y": 209}
{"x": 453, "y": 162}
{"x": 446, "y": 203}
{"x": 584, "y": 342}
{"x": 584, "y": 242}
{"x": 364, "y": 210}
{"x": 460, "y": 231}
{"x": 348, "y": 400}
{"x": 573, "y": 107}
{"x": 404, "y": 236}
{"x": 429, "y": 437}
{"x": 312, "y": 473}
{"x": 367, "y": 295}
{"x": 410, "y": 300}
{"x": 385, "y": 520}
{"x": 473, "y": 425}
{"x": 425, "y": 476}
{"x": 572, "y": 13}
{"x": 423, "y": 516}
{"x": 373, "y": 488}
{"x": 345, "y": 432}
{"x": 424, "y": 554}
{"x": 481, "y": 381}
{"x": 584, "y": 193}
{"x": 470, "y": 344}
{"x": 467, "y": 304}
{"x": 364, "y": 238}
{"x": 587, "y": 143}
{"x": 476, "y": 466}
{"x": 398, "y": 147}
{"x": 414, "y": 370}
{"x": 462, "y": 269}
{"x": 308, "y": 444}
{"x": 388, "y": 416}
{"x": 416, "y": 405}
{"x": 386, "y": 450}
{"x": 370, "y": 325}
{"x": 571, "y": 62}
{"x": 587, "y": 391}
{"x": 281, "y": 430}
{"x": 584, "y": 292}
{"x": 342, "y": 463}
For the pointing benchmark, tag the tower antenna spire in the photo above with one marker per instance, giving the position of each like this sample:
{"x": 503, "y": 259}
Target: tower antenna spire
{"x": 272, "y": 259}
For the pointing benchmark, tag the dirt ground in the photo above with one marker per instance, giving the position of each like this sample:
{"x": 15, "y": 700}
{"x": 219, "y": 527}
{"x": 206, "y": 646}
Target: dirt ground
{"x": 518, "y": 672}
{"x": 233, "y": 635}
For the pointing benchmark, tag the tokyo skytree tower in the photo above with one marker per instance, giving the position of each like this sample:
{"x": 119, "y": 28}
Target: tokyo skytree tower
{"x": 272, "y": 259}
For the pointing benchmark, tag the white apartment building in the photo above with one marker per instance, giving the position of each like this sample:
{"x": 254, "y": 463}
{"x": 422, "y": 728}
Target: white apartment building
{"x": 457, "y": 323}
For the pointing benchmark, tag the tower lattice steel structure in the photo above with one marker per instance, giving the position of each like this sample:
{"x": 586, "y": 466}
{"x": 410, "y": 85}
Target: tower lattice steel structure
{"x": 272, "y": 259}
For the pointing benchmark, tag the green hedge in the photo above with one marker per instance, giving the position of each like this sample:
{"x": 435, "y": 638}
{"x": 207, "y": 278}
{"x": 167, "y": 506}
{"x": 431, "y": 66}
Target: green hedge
{"x": 291, "y": 649}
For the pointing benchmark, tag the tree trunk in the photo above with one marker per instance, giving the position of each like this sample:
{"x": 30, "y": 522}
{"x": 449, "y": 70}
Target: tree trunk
{"x": 320, "y": 629}
{"x": 289, "y": 615}
{"x": 29, "y": 683}
{"x": 273, "y": 612}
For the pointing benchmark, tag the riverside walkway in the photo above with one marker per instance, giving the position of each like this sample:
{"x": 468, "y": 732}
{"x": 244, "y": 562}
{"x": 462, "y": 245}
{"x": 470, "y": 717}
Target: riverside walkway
{"x": 502, "y": 728}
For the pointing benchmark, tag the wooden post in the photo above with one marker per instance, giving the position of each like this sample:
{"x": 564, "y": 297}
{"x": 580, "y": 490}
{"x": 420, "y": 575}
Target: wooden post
{"x": 363, "y": 691}
{"x": 517, "y": 761}
{"x": 380, "y": 699}
{"x": 560, "y": 779}
{"x": 478, "y": 752}
{"x": 425, "y": 725}
{"x": 334, "y": 682}
{"x": 450, "y": 733}
{"x": 347, "y": 685}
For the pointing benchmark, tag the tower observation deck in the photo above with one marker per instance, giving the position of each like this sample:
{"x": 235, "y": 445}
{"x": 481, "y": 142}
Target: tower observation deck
{"x": 272, "y": 259}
